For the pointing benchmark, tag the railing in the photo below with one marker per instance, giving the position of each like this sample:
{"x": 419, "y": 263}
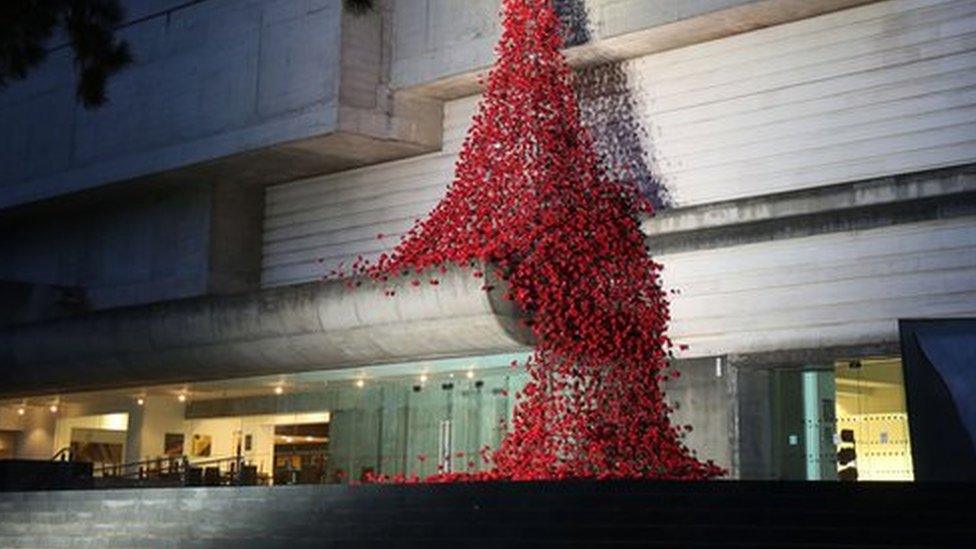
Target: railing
{"x": 180, "y": 470}
{"x": 64, "y": 454}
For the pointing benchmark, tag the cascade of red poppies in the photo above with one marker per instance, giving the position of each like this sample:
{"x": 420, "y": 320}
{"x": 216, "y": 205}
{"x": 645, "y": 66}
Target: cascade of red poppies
{"x": 530, "y": 201}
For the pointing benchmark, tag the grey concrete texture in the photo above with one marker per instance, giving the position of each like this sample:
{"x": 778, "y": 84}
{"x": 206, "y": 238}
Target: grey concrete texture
{"x": 242, "y": 90}
{"x": 130, "y": 249}
{"x": 315, "y": 326}
{"x": 858, "y": 205}
{"x": 705, "y": 397}
{"x": 441, "y": 45}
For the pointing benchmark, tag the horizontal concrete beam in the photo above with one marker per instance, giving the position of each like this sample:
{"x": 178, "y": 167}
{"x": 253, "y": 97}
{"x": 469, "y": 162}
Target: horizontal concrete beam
{"x": 255, "y": 93}
{"x": 619, "y": 34}
{"x": 315, "y": 326}
{"x": 903, "y": 198}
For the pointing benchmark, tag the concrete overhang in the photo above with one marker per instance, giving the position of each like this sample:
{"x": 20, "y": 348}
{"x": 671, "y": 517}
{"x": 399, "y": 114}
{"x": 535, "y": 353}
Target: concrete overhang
{"x": 266, "y": 96}
{"x": 621, "y": 30}
{"x": 313, "y": 326}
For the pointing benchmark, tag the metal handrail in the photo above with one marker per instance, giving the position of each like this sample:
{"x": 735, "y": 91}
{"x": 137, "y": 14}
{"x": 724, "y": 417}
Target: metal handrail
{"x": 61, "y": 454}
{"x": 173, "y": 466}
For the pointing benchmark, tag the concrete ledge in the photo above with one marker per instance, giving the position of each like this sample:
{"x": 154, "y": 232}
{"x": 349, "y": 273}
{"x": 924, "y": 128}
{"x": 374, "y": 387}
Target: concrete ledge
{"x": 903, "y": 198}
{"x": 313, "y": 326}
{"x": 500, "y": 514}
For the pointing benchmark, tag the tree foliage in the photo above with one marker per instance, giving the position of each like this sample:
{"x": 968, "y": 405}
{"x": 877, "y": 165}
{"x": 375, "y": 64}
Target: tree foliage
{"x": 359, "y": 6}
{"x": 26, "y": 29}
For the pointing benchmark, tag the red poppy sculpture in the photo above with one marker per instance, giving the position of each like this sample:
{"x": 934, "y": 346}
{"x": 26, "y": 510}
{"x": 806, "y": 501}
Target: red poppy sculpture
{"x": 530, "y": 201}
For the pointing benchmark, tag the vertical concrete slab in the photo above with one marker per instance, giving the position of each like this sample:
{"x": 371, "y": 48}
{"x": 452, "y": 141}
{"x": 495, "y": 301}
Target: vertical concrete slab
{"x": 704, "y": 397}
{"x": 754, "y": 425}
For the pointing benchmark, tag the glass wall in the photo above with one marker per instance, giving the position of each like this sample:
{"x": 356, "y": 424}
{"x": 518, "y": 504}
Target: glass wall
{"x": 406, "y": 419}
{"x": 842, "y": 420}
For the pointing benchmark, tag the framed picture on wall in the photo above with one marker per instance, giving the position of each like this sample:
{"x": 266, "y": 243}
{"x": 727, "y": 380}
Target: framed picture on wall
{"x": 173, "y": 444}
{"x": 202, "y": 445}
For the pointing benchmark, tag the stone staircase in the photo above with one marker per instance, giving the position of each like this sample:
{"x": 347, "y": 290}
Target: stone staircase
{"x": 572, "y": 514}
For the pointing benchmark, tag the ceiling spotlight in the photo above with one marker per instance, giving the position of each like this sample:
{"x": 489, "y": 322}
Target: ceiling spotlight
{"x": 360, "y": 383}
{"x": 53, "y": 408}
{"x": 470, "y": 374}
{"x": 181, "y": 397}
{"x": 140, "y": 401}
{"x": 21, "y": 411}
{"x": 279, "y": 390}
{"x": 423, "y": 378}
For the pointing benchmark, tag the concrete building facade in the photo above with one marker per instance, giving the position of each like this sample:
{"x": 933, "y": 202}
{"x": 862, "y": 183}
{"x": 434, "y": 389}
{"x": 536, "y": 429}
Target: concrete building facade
{"x": 162, "y": 257}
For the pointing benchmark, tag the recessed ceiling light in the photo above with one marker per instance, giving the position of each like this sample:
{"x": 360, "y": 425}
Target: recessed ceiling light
{"x": 140, "y": 401}
{"x": 181, "y": 397}
{"x": 360, "y": 383}
{"x": 279, "y": 390}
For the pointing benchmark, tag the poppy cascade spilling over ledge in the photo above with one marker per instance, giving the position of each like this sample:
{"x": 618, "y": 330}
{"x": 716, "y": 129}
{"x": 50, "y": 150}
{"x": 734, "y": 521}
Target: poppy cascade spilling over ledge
{"x": 530, "y": 200}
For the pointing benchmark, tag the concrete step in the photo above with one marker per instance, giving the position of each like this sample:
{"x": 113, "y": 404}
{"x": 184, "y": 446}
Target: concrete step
{"x": 584, "y": 514}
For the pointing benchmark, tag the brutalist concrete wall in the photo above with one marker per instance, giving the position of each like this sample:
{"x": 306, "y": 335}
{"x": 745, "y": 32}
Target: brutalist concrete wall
{"x": 209, "y": 79}
{"x": 136, "y": 248}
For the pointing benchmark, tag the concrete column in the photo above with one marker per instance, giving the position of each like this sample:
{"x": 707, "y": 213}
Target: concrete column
{"x": 704, "y": 397}
{"x": 754, "y": 445}
{"x": 237, "y": 213}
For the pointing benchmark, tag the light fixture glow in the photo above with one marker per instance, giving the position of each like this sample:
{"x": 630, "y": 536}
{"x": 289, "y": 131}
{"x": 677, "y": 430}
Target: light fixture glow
{"x": 21, "y": 411}
{"x": 470, "y": 374}
{"x": 181, "y": 397}
{"x": 360, "y": 383}
{"x": 308, "y": 439}
{"x": 423, "y": 378}
{"x": 53, "y": 408}
{"x": 140, "y": 401}
{"x": 279, "y": 390}
{"x": 289, "y": 439}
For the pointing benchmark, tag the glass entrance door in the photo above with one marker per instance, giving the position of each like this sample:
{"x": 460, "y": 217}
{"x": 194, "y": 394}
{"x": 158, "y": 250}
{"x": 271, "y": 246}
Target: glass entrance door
{"x": 803, "y": 424}
{"x": 872, "y": 420}
{"x": 452, "y": 421}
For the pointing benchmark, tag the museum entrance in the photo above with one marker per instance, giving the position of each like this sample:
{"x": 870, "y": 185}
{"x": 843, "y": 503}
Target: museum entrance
{"x": 847, "y": 421}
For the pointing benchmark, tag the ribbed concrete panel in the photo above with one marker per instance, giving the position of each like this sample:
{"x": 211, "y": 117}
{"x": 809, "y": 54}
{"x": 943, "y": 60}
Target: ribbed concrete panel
{"x": 337, "y": 217}
{"x": 871, "y": 91}
{"x": 882, "y": 89}
{"x": 828, "y": 290}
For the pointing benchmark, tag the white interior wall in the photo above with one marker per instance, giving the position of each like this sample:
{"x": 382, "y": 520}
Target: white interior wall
{"x": 35, "y": 433}
{"x": 109, "y": 422}
{"x": 224, "y": 433}
{"x": 159, "y": 415}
